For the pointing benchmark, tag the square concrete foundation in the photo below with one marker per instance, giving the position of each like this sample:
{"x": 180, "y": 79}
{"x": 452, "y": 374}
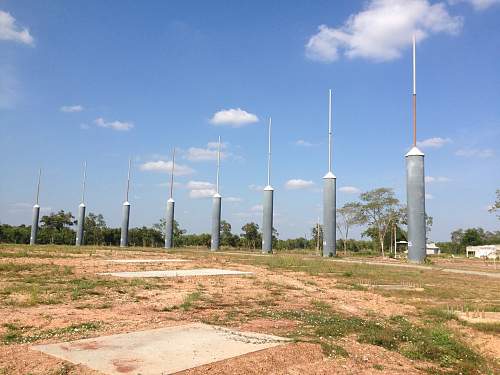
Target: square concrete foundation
{"x": 161, "y": 351}
{"x": 177, "y": 273}
{"x": 126, "y": 261}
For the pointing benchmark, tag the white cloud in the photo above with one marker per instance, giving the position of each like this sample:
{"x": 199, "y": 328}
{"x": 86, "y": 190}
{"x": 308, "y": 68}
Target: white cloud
{"x": 476, "y": 152}
{"x": 166, "y": 166}
{"x": 233, "y": 199}
{"x": 115, "y": 125}
{"x": 235, "y": 118}
{"x": 430, "y": 179}
{"x": 208, "y": 153}
{"x": 71, "y": 108}
{"x": 303, "y": 143}
{"x": 382, "y": 30}
{"x": 477, "y": 4}
{"x": 350, "y": 190}
{"x": 11, "y": 32}
{"x": 84, "y": 126}
{"x": 200, "y": 189}
{"x": 435, "y": 142}
{"x": 297, "y": 183}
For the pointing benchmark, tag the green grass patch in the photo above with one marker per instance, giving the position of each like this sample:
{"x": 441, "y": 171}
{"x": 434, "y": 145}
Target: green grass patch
{"x": 21, "y": 334}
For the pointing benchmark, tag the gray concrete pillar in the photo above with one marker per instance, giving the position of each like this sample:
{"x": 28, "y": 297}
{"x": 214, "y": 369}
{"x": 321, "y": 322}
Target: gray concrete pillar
{"x": 415, "y": 195}
{"x": 169, "y": 227}
{"x": 267, "y": 220}
{"x": 216, "y": 212}
{"x": 81, "y": 225}
{"x": 329, "y": 215}
{"x": 125, "y": 224}
{"x": 34, "y": 224}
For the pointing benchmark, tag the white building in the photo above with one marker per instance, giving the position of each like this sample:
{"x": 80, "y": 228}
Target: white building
{"x": 484, "y": 251}
{"x": 432, "y": 249}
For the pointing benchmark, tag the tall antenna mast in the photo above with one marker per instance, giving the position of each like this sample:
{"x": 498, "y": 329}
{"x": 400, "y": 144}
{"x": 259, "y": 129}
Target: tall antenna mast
{"x": 218, "y": 165}
{"x": 269, "y": 155}
{"x": 414, "y": 94}
{"x": 128, "y": 180}
{"x": 84, "y": 178}
{"x": 329, "y": 130}
{"x": 38, "y": 185}
{"x": 172, "y": 175}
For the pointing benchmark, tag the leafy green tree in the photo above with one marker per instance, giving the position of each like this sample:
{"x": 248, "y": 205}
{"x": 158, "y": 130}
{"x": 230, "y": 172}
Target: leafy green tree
{"x": 226, "y": 237}
{"x": 178, "y": 232}
{"x": 380, "y": 209}
{"x": 251, "y": 234}
{"x": 94, "y": 228}
{"x": 56, "y": 228}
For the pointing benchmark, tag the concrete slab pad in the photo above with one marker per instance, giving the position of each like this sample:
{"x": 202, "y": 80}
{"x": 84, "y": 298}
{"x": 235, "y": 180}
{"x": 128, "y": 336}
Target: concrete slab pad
{"x": 161, "y": 351}
{"x": 177, "y": 273}
{"x": 126, "y": 261}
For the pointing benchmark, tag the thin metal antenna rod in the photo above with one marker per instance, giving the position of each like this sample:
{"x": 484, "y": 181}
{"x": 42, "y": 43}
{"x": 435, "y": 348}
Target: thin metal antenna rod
{"x": 172, "y": 175}
{"x": 269, "y": 155}
{"x": 38, "y": 185}
{"x": 128, "y": 179}
{"x": 329, "y": 130}
{"x": 218, "y": 165}
{"x": 414, "y": 94}
{"x": 84, "y": 178}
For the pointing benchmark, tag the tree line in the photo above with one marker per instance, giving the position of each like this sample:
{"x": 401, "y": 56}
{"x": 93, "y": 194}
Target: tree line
{"x": 378, "y": 211}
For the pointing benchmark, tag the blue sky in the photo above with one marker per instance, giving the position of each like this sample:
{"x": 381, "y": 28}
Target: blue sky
{"x": 102, "y": 81}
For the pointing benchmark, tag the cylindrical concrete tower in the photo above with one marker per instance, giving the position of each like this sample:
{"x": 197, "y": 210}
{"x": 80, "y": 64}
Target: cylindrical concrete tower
{"x": 80, "y": 225}
{"x": 329, "y": 196}
{"x": 169, "y": 224}
{"x": 267, "y": 206}
{"x": 81, "y": 211}
{"x": 216, "y": 209}
{"x": 125, "y": 223}
{"x": 126, "y": 212}
{"x": 169, "y": 220}
{"x": 34, "y": 224}
{"x": 415, "y": 193}
{"x": 415, "y": 187}
{"x": 36, "y": 213}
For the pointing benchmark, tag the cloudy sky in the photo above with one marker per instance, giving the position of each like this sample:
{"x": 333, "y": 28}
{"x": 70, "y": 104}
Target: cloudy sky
{"x": 105, "y": 81}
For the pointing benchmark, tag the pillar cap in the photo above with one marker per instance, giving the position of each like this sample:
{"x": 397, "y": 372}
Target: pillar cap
{"x": 126, "y": 203}
{"x": 82, "y": 205}
{"x": 329, "y": 175}
{"x": 268, "y": 188}
{"x": 36, "y": 206}
{"x": 217, "y": 195}
{"x": 170, "y": 200}
{"x": 414, "y": 152}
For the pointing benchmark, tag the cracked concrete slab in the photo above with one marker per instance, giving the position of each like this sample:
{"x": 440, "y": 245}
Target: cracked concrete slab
{"x": 161, "y": 351}
{"x": 177, "y": 273}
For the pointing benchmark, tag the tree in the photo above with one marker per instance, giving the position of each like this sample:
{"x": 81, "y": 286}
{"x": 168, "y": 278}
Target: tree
{"x": 379, "y": 209}
{"x": 251, "y": 234}
{"x": 317, "y": 242}
{"x": 495, "y": 207}
{"x": 348, "y": 215}
{"x": 94, "y": 228}
{"x": 227, "y": 238}
{"x": 161, "y": 227}
{"x": 56, "y": 226}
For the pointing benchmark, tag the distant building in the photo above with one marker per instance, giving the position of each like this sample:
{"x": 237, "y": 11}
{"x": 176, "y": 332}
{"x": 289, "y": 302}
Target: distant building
{"x": 484, "y": 251}
{"x": 432, "y": 249}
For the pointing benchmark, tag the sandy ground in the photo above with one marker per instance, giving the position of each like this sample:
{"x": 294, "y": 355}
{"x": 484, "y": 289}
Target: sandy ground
{"x": 154, "y": 304}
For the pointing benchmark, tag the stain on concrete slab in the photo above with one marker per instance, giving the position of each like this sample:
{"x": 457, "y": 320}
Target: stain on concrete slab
{"x": 161, "y": 351}
{"x": 127, "y": 261}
